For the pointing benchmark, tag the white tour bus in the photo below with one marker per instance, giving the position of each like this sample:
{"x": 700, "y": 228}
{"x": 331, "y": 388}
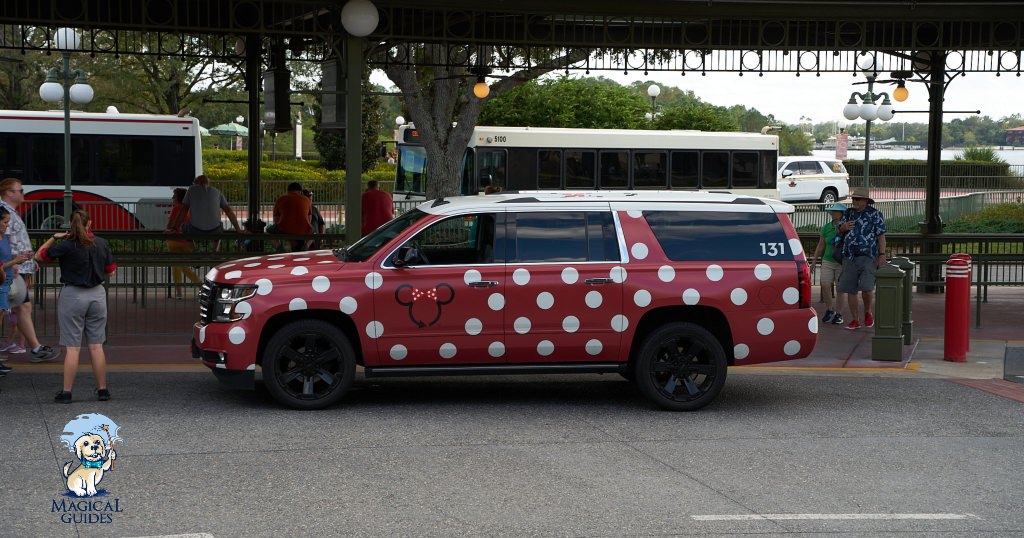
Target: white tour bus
{"x": 542, "y": 158}
{"x": 123, "y": 165}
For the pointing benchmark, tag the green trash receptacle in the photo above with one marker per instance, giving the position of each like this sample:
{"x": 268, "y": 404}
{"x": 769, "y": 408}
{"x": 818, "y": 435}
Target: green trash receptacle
{"x": 909, "y": 268}
{"x": 887, "y": 344}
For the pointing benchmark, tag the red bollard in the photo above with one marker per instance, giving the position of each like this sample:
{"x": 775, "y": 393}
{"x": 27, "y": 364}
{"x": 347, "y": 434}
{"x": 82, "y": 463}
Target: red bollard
{"x": 967, "y": 296}
{"x": 958, "y": 312}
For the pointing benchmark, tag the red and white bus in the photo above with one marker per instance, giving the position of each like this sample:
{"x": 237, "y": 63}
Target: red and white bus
{"x": 123, "y": 165}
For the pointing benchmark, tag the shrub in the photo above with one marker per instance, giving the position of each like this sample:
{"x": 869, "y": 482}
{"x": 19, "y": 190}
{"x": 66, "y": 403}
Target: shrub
{"x": 1002, "y": 218}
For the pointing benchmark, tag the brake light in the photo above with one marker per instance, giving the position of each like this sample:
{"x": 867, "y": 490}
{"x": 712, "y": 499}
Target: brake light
{"x": 804, "y": 280}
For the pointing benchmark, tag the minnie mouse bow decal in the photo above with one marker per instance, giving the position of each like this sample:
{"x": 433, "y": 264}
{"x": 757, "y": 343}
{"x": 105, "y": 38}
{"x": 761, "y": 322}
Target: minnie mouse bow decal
{"x": 424, "y": 305}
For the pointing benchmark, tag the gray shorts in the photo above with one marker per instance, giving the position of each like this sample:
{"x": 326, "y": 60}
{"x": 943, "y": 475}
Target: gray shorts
{"x": 858, "y": 274}
{"x": 82, "y": 311}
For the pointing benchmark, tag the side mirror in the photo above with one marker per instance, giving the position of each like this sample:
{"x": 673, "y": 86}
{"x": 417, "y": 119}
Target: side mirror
{"x": 405, "y": 256}
{"x": 786, "y": 173}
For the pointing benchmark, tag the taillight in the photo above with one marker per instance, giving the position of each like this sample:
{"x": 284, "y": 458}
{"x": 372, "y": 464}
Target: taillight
{"x": 804, "y": 279}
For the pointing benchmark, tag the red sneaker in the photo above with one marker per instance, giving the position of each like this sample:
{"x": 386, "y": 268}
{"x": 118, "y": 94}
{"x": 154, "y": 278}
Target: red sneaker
{"x": 869, "y": 320}
{"x": 853, "y": 325}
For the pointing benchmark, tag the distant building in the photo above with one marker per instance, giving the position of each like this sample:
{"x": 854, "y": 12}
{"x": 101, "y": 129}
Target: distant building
{"x": 1015, "y": 136}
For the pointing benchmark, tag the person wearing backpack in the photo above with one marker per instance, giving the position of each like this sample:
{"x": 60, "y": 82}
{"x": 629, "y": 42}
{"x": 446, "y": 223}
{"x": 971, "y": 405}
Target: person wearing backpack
{"x": 863, "y": 232}
{"x": 831, "y": 266}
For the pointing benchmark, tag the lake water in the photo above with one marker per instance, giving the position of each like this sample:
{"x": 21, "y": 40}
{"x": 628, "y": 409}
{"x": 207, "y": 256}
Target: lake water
{"x": 1010, "y": 156}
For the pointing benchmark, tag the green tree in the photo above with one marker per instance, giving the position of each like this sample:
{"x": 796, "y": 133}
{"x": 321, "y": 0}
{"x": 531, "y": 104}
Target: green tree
{"x": 794, "y": 141}
{"x": 697, "y": 116}
{"x": 567, "y": 102}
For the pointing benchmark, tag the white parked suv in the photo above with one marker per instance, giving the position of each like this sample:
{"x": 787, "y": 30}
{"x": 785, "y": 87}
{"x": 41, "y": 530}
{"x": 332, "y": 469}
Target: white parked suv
{"x": 812, "y": 179}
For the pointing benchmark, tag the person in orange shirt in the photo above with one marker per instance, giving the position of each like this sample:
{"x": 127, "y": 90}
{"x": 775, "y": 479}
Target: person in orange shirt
{"x": 293, "y": 215}
{"x": 377, "y": 206}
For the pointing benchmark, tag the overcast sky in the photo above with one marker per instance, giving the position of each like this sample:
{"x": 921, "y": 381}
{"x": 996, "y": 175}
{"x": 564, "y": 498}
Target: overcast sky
{"x": 822, "y": 98}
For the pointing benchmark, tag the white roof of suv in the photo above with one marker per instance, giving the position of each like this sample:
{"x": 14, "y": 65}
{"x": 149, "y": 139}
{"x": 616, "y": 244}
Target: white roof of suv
{"x": 548, "y": 200}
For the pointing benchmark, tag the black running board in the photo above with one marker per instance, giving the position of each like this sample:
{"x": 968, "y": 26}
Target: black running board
{"x": 496, "y": 369}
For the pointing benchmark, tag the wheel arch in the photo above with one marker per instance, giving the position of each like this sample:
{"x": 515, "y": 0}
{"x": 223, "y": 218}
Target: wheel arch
{"x": 710, "y": 318}
{"x": 334, "y": 317}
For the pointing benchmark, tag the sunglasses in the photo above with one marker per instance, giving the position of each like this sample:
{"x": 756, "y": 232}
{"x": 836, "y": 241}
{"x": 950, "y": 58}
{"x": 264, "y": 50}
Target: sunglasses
{"x": 16, "y": 190}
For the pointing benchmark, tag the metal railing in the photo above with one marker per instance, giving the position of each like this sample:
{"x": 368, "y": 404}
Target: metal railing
{"x": 908, "y": 180}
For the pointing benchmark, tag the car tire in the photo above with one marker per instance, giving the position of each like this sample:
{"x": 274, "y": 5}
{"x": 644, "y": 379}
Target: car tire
{"x": 308, "y": 364}
{"x": 681, "y": 367}
{"x": 829, "y": 196}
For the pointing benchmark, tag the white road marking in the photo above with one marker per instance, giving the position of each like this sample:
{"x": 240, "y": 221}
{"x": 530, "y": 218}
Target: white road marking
{"x": 195, "y": 535}
{"x": 756, "y": 517}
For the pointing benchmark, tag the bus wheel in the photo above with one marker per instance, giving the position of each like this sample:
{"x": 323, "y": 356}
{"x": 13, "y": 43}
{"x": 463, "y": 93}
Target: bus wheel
{"x": 681, "y": 367}
{"x": 829, "y": 196}
{"x": 52, "y": 222}
{"x": 308, "y": 364}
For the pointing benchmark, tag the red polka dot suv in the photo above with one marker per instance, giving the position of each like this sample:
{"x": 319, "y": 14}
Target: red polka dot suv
{"x": 667, "y": 289}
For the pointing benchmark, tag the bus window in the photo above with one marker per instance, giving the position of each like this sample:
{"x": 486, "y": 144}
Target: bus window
{"x": 493, "y": 164}
{"x": 411, "y": 168}
{"x": 11, "y": 156}
{"x": 744, "y": 169}
{"x": 48, "y": 159}
{"x": 614, "y": 169}
{"x": 769, "y": 164}
{"x": 467, "y": 173}
{"x": 549, "y": 169}
{"x": 714, "y": 170}
{"x": 579, "y": 169}
{"x": 126, "y": 161}
{"x": 685, "y": 168}
{"x": 649, "y": 169}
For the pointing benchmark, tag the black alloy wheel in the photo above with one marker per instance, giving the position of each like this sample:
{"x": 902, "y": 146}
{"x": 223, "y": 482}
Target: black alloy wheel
{"x": 681, "y": 367}
{"x": 308, "y": 364}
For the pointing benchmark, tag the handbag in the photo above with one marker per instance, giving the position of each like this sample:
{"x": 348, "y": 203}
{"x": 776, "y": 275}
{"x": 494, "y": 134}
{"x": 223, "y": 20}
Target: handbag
{"x": 837, "y": 249}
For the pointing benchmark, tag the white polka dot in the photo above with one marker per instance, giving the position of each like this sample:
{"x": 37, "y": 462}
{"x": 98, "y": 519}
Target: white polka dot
{"x": 301, "y": 259}
{"x": 447, "y": 350}
{"x": 545, "y": 300}
{"x": 765, "y": 326}
{"x": 325, "y": 253}
{"x": 762, "y": 271}
{"x": 226, "y": 265}
{"x": 275, "y": 258}
{"x": 594, "y": 346}
{"x": 642, "y": 298}
{"x": 521, "y": 277}
{"x": 496, "y": 349}
{"x": 473, "y": 326}
{"x": 348, "y": 305}
{"x": 545, "y": 348}
{"x": 619, "y": 323}
{"x": 321, "y": 284}
{"x": 790, "y": 295}
{"x": 202, "y": 334}
{"x": 594, "y": 299}
{"x": 691, "y": 296}
{"x": 570, "y": 324}
{"x": 264, "y": 286}
{"x": 740, "y": 351}
{"x": 243, "y": 308}
{"x": 233, "y": 275}
{"x": 738, "y": 296}
{"x": 639, "y": 251}
{"x": 275, "y": 266}
{"x": 618, "y": 274}
{"x": 471, "y": 276}
{"x": 374, "y": 280}
{"x": 570, "y": 275}
{"x": 374, "y": 329}
{"x": 522, "y": 325}
{"x": 236, "y": 335}
{"x": 666, "y": 273}
{"x": 715, "y": 273}
{"x": 791, "y": 348}
{"x": 325, "y": 262}
{"x": 300, "y": 270}
{"x": 634, "y": 213}
{"x": 399, "y": 352}
{"x": 812, "y": 325}
{"x": 252, "y": 265}
{"x": 496, "y": 301}
{"x": 796, "y": 247}
{"x": 297, "y": 304}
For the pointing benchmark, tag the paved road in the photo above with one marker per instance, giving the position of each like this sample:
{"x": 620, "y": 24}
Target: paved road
{"x": 551, "y": 456}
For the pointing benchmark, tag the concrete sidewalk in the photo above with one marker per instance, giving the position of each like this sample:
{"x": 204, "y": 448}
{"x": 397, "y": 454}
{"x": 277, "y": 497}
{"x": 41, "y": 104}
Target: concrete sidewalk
{"x": 838, "y": 352}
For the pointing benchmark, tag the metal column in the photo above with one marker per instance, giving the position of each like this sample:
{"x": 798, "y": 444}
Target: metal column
{"x": 252, "y": 82}
{"x": 354, "y": 63}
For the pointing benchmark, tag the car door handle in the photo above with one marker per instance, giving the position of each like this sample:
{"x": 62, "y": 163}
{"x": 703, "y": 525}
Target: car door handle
{"x": 483, "y": 283}
{"x": 598, "y": 281}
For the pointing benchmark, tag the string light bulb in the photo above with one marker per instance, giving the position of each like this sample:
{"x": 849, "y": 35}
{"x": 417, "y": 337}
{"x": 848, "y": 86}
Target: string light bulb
{"x": 900, "y": 93}
{"x": 481, "y": 89}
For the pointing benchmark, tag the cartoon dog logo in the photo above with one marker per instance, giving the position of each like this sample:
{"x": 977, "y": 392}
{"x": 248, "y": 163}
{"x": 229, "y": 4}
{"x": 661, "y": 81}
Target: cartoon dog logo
{"x": 91, "y": 438}
{"x": 424, "y": 305}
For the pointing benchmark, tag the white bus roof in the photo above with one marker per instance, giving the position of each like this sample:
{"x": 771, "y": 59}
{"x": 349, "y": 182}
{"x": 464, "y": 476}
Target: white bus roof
{"x": 618, "y": 138}
{"x": 617, "y": 199}
{"x": 52, "y": 122}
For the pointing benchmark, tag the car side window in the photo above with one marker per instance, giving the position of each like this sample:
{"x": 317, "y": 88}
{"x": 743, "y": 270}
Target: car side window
{"x": 570, "y": 236}
{"x": 459, "y": 240}
{"x": 706, "y": 235}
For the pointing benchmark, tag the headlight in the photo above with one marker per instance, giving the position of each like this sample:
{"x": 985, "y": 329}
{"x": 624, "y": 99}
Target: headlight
{"x": 227, "y": 299}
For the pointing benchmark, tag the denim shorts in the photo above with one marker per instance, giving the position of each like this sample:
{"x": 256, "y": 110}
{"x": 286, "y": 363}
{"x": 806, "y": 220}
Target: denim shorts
{"x": 858, "y": 274}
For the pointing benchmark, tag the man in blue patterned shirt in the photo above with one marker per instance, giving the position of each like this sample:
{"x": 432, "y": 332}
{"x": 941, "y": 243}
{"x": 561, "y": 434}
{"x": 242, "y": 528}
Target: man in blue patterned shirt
{"x": 863, "y": 232}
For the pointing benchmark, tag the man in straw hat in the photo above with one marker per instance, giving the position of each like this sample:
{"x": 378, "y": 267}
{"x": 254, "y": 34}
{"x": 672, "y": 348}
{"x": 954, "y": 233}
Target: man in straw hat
{"x": 863, "y": 233}
{"x": 830, "y": 268}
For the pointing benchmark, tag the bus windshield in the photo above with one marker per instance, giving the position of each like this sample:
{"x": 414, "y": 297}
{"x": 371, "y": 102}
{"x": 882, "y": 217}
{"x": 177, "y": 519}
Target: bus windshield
{"x": 412, "y": 168}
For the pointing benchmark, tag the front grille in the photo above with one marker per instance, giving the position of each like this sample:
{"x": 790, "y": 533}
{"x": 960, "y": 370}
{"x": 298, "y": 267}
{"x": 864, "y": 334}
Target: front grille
{"x": 206, "y": 300}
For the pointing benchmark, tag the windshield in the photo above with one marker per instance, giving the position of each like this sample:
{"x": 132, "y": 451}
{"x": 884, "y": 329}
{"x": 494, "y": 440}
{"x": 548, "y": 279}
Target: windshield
{"x": 412, "y": 167}
{"x": 371, "y": 243}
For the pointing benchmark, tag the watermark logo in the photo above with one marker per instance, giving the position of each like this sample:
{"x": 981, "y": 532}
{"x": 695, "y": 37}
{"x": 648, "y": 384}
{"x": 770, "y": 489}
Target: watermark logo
{"x": 91, "y": 439}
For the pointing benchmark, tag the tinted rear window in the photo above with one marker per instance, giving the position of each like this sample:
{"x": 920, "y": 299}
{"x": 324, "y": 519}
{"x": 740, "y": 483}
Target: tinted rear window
{"x": 707, "y": 236}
